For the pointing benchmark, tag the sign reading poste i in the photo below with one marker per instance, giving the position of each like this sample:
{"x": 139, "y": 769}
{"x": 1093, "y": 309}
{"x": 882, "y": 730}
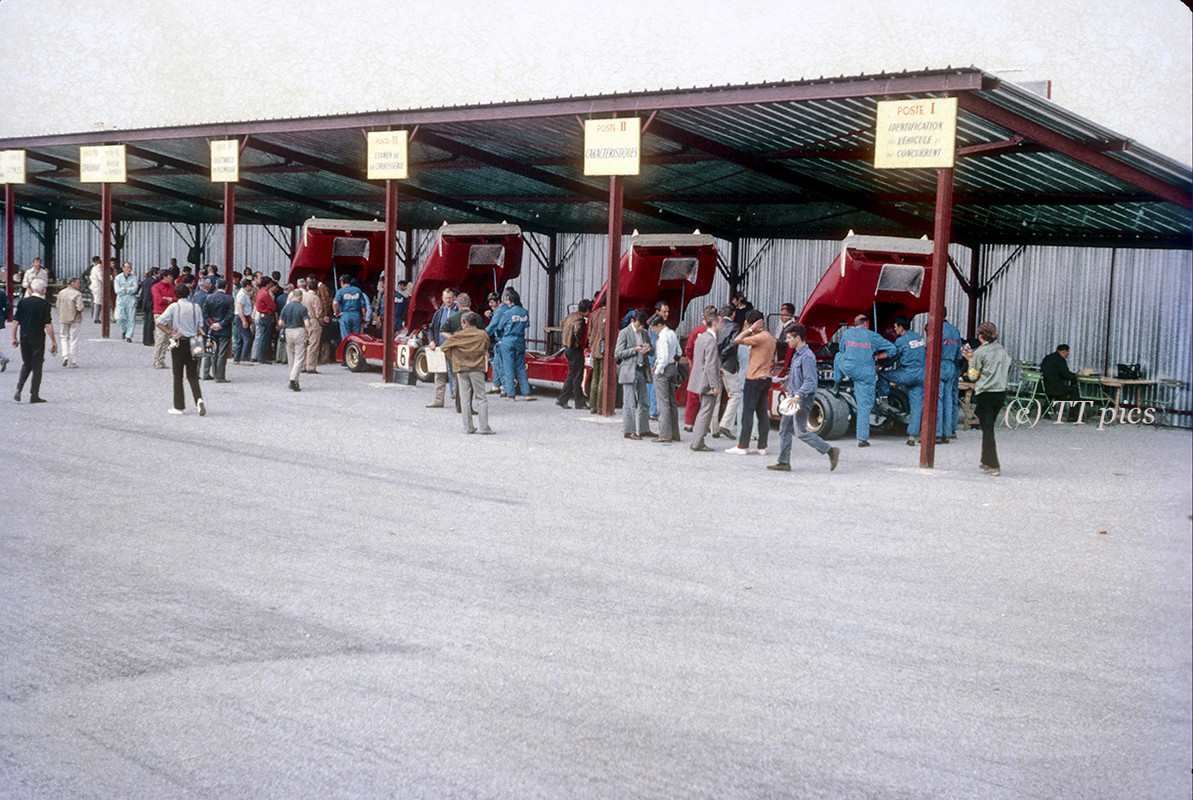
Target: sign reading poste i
{"x": 387, "y": 155}
{"x": 611, "y": 146}
{"x": 915, "y": 133}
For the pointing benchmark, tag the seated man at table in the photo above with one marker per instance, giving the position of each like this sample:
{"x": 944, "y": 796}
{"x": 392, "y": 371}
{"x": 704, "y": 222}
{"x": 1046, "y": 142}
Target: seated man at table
{"x": 1059, "y": 381}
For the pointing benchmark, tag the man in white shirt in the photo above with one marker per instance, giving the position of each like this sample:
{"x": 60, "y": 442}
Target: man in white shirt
{"x": 666, "y": 378}
{"x": 36, "y": 272}
{"x": 95, "y": 277}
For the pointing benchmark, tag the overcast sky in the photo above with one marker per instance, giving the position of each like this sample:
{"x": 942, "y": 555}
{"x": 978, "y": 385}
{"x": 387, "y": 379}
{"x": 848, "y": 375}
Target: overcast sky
{"x": 73, "y": 66}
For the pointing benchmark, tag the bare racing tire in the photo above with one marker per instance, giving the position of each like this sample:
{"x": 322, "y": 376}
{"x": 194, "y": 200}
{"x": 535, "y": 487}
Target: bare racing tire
{"x": 354, "y": 359}
{"x": 821, "y": 416}
{"x": 840, "y": 420}
{"x": 421, "y": 368}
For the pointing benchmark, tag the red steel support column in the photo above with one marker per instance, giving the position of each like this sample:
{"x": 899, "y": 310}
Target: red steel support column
{"x": 9, "y": 244}
{"x": 408, "y": 261}
{"x": 612, "y": 312}
{"x": 940, "y": 268}
{"x": 389, "y": 283}
{"x": 229, "y": 233}
{"x": 105, "y": 200}
{"x": 552, "y": 288}
{"x": 975, "y": 289}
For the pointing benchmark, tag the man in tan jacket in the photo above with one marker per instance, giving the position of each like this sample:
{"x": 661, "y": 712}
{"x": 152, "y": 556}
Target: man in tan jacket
{"x": 314, "y": 306}
{"x": 70, "y": 320}
{"x": 468, "y": 352}
{"x": 596, "y": 349}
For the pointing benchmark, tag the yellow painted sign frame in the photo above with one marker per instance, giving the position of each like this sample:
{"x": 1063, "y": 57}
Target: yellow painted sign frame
{"x": 915, "y": 133}
{"x": 12, "y": 166}
{"x": 102, "y": 164}
{"x": 225, "y": 161}
{"x": 612, "y": 146}
{"x": 388, "y": 155}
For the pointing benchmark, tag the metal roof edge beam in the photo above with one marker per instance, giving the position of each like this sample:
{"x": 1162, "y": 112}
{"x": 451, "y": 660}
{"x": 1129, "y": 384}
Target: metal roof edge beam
{"x": 946, "y": 80}
{"x": 1090, "y": 156}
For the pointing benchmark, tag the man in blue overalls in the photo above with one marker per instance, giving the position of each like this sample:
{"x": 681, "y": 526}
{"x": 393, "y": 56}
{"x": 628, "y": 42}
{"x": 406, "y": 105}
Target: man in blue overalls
{"x": 493, "y": 329}
{"x": 513, "y": 347}
{"x": 348, "y": 304}
{"x": 909, "y": 350}
{"x": 950, "y": 374}
{"x": 859, "y": 348}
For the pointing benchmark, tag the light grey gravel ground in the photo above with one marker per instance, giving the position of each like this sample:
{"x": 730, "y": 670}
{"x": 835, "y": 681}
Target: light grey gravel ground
{"x": 338, "y": 594}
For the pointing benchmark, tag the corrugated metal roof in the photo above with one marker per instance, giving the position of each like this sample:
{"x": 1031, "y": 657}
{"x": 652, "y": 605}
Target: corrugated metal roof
{"x": 786, "y": 160}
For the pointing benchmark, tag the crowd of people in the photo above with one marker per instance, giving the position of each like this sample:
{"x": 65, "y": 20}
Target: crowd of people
{"x": 193, "y": 315}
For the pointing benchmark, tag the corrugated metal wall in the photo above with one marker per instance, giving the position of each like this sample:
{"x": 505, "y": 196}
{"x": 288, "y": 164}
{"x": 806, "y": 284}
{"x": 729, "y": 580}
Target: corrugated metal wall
{"x": 1044, "y": 296}
{"x": 153, "y": 244}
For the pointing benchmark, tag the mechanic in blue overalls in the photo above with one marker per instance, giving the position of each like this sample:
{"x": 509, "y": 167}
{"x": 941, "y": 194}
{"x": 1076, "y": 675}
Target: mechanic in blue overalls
{"x": 950, "y": 374}
{"x": 909, "y": 350}
{"x": 496, "y": 321}
{"x": 512, "y": 346}
{"x": 859, "y": 348}
{"x": 349, "y": 305}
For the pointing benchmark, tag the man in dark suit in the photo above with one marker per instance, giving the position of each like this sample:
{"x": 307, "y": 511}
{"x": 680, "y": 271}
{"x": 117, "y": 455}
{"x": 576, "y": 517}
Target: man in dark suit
{"x": 1059, "y": 382}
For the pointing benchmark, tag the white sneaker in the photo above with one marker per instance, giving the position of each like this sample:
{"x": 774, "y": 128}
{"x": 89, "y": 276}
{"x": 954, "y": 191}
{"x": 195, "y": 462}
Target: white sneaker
{"x": 760, "y": 451}
{"x": 737, "y": 451}
{"x": 175, "y": 411}
{"x": 202, "y": 407}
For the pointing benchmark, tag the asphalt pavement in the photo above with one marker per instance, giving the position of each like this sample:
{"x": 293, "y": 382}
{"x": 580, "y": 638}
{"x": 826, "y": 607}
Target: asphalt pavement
{"x": 338, "y": 594}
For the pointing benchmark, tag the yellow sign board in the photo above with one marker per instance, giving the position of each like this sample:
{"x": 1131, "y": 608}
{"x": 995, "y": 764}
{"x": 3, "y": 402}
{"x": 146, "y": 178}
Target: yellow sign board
{"x": 387, "y": 155}
{"x": 225, "y": 161}
{"x": 612, "y": 146}
{"x": 104, "y": 164}
{"x": 12, "y": 166}
{"x": 915, "y": 133}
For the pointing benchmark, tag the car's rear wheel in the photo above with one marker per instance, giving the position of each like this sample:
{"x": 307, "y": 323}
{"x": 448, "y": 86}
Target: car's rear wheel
{"x": 421, "y": 368}
{"x": 354, "y": 359}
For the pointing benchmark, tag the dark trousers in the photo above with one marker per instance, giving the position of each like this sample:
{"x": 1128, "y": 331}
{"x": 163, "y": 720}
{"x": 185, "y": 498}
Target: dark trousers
{"x": 244, "y": 345}
{"x": 33, "y": 356}
{"x": 754, "y": 396}
{"x": 218, "y": 362}
{"x": 148, "y": 337}
{"x": 573, "y": 388}
{"x": 181, "y": 359}
{"x": 664, "y": 392}
{"x": 987, "y": 405}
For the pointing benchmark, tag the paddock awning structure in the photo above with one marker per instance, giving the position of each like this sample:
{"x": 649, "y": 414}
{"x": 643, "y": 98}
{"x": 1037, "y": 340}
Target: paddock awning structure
{"x": 780, "y": 160}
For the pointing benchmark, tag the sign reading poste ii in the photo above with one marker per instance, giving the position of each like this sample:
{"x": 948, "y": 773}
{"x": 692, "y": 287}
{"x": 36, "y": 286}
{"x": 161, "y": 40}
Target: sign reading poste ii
{"x": 103, "y": 164}
{"x": 387, "y": 155}
{"x": 611, "y": 146}
{"x": 916, "y": 133}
